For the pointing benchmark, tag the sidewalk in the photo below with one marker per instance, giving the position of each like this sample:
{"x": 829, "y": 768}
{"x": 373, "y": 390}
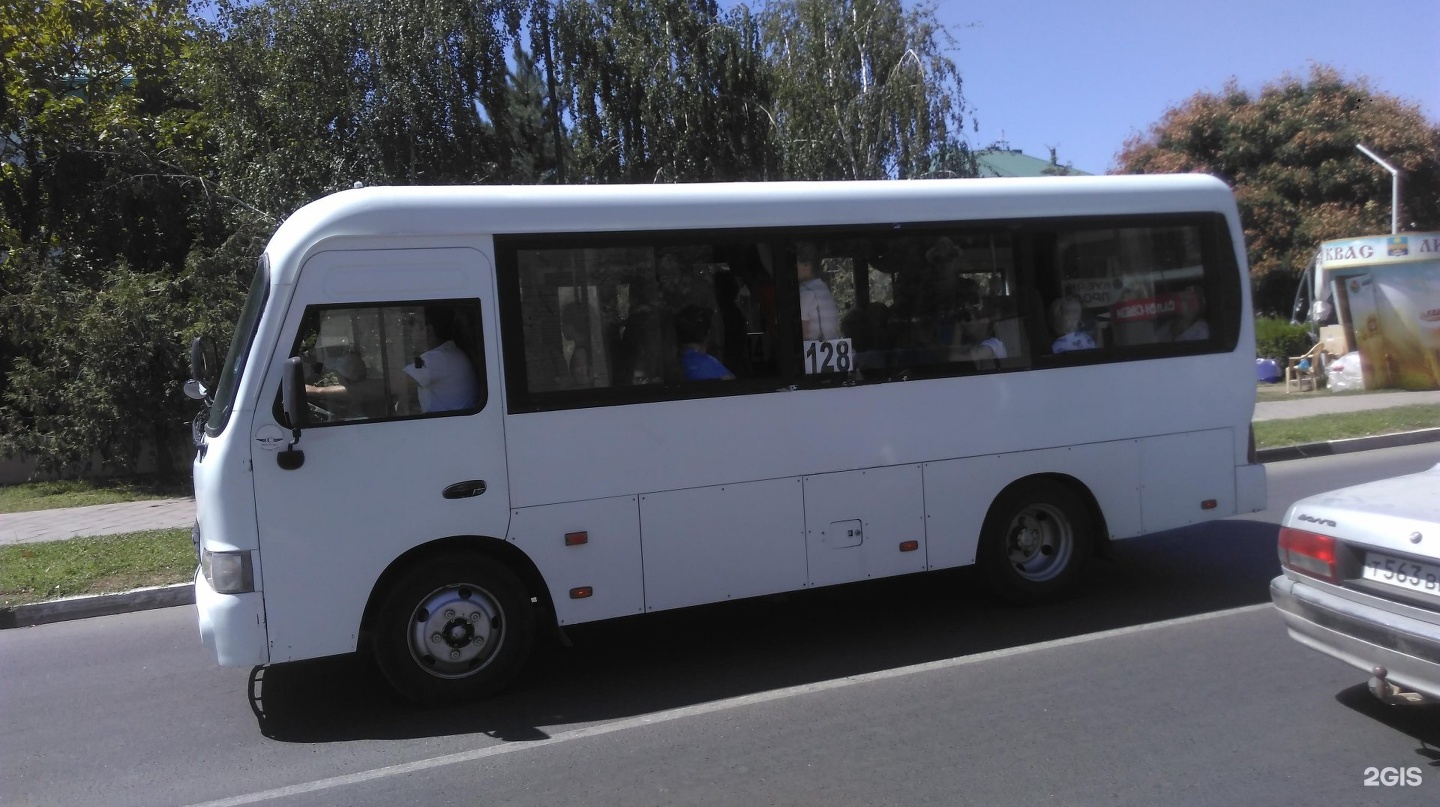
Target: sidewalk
{"x": 108, "y": 519}
{"x": 100, "y": 519}
{"x": 1334, "y": 404}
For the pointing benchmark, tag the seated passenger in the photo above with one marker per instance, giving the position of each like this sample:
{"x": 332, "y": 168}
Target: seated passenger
{"x": 692, "y": 331}
{"x": 1065, "y": 321}
{"x": 1191, "y": 324}
{"x": 444, "y": 374}
{"x": 978, "y": 341}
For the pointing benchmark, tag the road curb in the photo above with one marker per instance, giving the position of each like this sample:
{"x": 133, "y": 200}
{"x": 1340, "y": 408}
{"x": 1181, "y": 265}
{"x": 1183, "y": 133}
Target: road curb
{"x": 1326, "y": 449}
{"x": 142, "y": 599}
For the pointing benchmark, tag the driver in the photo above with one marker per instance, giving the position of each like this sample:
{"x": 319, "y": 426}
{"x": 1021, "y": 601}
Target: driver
{"x": 352, "y": 396}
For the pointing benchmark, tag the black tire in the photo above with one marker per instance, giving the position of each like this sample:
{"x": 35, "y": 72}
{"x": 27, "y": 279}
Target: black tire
{"x": 1035, "y": 542}
{"x": 453, "y": 627}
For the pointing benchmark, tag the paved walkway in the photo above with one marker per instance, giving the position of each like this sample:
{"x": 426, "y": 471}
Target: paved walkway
{"x": 1330, "y": 404}
{"x": 99, "y": 519}
{"x": 108, "y": 519}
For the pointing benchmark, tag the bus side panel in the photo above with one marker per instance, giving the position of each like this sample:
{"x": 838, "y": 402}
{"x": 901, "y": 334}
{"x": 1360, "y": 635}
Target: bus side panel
{"x": 592, "y": 545}
{"x": 724, "y": 542}
{"x": 864, "y": 524}
{"x": 1172, "y": 491}
{"x": 958, "y": 493}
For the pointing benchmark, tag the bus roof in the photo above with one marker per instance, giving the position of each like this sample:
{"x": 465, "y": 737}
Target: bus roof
{"x": 538, "y": 209}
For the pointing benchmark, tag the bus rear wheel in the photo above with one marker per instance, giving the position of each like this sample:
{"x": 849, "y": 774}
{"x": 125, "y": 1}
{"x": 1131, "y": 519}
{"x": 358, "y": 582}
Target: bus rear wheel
{"x": 453, "y": 627}
{"x": 1035, "y": 541}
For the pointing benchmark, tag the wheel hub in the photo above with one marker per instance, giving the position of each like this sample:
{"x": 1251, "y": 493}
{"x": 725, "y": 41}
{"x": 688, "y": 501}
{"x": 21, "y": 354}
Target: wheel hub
{"x": 1041, "y": 542}
{"x": 455, "y": 631}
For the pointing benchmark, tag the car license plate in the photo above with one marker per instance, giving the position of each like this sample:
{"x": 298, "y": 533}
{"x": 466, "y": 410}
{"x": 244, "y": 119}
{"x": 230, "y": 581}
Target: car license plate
{"x": 1406, "y": 574}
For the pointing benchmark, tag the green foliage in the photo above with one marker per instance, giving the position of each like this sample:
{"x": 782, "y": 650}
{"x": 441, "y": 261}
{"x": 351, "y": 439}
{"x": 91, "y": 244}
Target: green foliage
{"x": 663, "y": 91}
{"x": 83, "y": 493}
{"x": 1277, "y": 339}
{"x": 1290, "y": 153}
{"x": 307, "y": 97}
{"x": 863, "y": 90}
{"x": 104, "y": 199}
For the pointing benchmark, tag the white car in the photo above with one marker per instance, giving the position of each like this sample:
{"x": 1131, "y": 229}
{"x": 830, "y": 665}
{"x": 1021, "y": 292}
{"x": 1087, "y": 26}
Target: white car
{"x": 1361, "y": 581}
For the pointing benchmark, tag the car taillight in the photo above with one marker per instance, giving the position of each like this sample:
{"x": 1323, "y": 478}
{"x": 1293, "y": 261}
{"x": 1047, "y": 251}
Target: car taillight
{"x": 1308, "y": 553}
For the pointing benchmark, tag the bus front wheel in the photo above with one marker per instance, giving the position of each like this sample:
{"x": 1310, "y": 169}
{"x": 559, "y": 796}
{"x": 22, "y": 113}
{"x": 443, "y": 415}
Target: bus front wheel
{"x": 1034, "y": 543}
{"x": 453, "y": 627}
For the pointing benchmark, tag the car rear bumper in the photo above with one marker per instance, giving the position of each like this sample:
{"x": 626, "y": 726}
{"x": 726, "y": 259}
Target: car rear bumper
{"x": 1362, "y": 636}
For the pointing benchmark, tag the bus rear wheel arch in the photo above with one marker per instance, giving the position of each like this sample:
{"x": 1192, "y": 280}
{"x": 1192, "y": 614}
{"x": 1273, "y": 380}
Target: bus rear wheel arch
{"x": 451, "y": 627}
{"x": 1036, "y": 539}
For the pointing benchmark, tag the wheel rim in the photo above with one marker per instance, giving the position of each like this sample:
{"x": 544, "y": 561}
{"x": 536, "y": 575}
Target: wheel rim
{"x": 1040, "y": 542}
{"x": 455, "y": 631}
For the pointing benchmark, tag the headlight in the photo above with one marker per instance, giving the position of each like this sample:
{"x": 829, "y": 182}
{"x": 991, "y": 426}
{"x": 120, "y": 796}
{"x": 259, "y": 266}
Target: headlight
{"x": 228, "y": 572}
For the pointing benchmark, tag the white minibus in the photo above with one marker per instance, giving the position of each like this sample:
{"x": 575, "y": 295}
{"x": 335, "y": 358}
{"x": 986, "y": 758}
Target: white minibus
{"x": 454, "y": 418}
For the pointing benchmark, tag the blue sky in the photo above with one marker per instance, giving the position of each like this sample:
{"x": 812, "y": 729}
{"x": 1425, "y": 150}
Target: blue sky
{"x": 1084, "y": 76}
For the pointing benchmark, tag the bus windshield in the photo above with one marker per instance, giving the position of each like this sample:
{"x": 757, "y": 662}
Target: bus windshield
{"x": 239, "y": 350}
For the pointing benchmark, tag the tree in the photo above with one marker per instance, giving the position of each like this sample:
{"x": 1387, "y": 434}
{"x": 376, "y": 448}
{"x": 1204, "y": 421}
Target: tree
{"x": 662, "y": 90}
{"x": 1290, "y": 153}
{"x": 863, "y": 90}
{"x": 308, "y": 97}
{"x": 104, "y": 203}
{"x": 530, "y": 137}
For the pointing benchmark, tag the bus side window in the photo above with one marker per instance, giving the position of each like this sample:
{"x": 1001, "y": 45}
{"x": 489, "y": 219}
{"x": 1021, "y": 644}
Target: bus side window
{"x": 369, "y": 362}
{"x": 1137, "y": 286}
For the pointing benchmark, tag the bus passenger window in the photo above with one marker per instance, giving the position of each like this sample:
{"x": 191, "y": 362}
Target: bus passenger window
{"x": 1137, "y": 286}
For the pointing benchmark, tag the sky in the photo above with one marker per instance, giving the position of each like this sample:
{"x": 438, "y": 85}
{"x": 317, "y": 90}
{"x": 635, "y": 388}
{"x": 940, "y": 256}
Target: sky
{"x": 1083, "y": 76}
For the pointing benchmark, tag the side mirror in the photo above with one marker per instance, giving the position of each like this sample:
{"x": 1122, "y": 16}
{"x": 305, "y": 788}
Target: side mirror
{"x": 204, "y": 367}
{"x": 292, "y": 395}
{"x": 195, "y": 390}
{"x": 297, "y": 410}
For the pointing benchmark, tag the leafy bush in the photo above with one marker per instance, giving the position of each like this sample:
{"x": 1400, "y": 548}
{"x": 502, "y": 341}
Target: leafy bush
{"x": 1277, "y": 339}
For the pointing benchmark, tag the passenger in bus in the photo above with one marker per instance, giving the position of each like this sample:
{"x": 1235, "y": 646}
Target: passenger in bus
{"x": 1065, "y": 321}
{"x": 444, "y": 374}
{"x": 1191, "y": 325}
{"x": 639, "y": 338}
{"x": 692, "y": 331}
{"x": 978, "y": 342}
{"x": 734, "y": 327}
{"x": 819, "y": 318}
{"x": 575, "y": 331}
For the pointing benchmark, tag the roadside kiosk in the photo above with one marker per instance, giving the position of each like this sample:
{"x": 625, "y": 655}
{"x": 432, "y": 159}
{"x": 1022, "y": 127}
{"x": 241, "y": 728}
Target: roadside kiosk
{"x": 1380, "y": 296}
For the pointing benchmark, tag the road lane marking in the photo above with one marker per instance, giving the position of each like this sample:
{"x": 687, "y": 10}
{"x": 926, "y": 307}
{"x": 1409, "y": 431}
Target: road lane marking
{"x": 669, "y": 715}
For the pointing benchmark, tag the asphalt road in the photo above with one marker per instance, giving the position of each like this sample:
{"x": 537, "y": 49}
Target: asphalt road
{"x": 1167, "y": 681}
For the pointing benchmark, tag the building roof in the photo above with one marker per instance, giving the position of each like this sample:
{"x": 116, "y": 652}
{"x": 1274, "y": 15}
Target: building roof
{"x": 999, "y": 161}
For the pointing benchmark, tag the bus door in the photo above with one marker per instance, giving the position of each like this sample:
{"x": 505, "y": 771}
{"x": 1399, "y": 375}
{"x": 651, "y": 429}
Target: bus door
{"x": 404, "y": 443}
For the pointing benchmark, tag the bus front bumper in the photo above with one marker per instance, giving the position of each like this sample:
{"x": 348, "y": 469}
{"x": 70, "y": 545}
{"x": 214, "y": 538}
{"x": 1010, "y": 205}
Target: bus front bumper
{"x": 232, "y": 626}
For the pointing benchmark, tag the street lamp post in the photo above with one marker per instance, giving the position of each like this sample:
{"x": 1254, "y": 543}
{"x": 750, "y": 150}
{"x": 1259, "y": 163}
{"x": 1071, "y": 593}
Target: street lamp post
{"x": 1394, "y": 188}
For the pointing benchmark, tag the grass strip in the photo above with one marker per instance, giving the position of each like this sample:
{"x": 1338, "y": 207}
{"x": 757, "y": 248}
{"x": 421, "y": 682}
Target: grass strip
{"x": 50, "y": 570}
{"x": 82, "y": 493}
{"x": 1345, "y": 425}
